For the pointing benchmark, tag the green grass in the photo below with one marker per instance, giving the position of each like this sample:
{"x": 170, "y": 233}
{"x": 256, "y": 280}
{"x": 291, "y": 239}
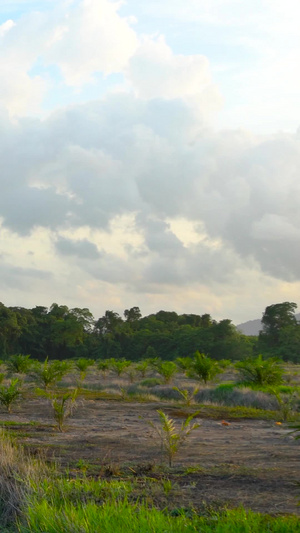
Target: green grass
{"x": 219, "y": 412}
{"x": 100, "y": 506}
{"x": 122, "y": 517}
{"x": 49, "y": 502}
{"x": 150, "y": 382}
{"x": 285, "y": 389}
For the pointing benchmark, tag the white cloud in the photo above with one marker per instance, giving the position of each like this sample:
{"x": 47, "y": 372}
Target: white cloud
{"x": 6, "y": 26}
{"x": 156, "y": 72}
{"x": 91, "y": 38}
{"x": 79, "y": 39}
{"x": 86, "y": 166}
{"x": 132, "y": 196}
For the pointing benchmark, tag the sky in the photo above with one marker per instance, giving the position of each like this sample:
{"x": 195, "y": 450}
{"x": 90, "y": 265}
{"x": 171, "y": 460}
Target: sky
{"x": 150, "y": 155}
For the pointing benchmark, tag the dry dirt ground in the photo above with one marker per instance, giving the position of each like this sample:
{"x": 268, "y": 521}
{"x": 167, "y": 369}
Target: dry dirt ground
{"x": 254, "y": 463}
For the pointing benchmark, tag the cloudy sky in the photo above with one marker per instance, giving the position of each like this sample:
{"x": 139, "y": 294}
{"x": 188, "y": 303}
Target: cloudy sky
{"x": 150, "y": 155}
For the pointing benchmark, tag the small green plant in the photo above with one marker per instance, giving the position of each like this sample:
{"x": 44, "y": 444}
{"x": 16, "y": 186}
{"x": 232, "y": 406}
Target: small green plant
{"x": 10, "y": 393}
{"x": 203, "y": 367}
{"x": 166, "y": 369}
{"x": 171, "y": 439}
{"x": 142, "y": 367}
{"x": 50, "y": 372}
{"x": 104, "y": 366}
{"x": 286, "y": 403}
{"x": 82, "y": 465}
{"x": 259, "y": 371}
{"x": 188, "y": 396}
{"x": 119, "y": 366}
{"x": 167, "y": 486}
{"x": 19, "y": 364}
{"x": 224, "y": 363}
{"x": 81, "y": 365}
{"x": 131, "y": 373}
{"x": 184, "y": 363}
{"x": 123, "y": 393}
{"x": 63, "y": 406}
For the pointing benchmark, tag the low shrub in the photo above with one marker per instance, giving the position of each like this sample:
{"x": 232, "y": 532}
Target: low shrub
{"x": 166, "y": 392}
{"x": 237, "y": 396}
{"x": 150, "y": 382}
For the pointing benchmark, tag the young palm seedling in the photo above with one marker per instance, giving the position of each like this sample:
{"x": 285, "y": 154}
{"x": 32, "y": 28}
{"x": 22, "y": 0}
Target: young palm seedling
{"x": 259, "y": 371}
{"x": 166, "y": 369}
{"x": 104, "y": 366}
{"x": 203, "y": 367}
{"x": 131, "y": 373}
{"x": 171, "y": 439}
{"x": 49, "y": 373}
{"x": 119, "y": 366}
{"x": 188, "y": 396}
{"x": 184, "y": 363}
{"x": 286, "y": 403}
{"x": 10, "y": 393}
{"x": 82, "y": 365}
{"x": 142, "y": 367}
{"x": 63, "y": 406}
{"x": 19, "y": 364}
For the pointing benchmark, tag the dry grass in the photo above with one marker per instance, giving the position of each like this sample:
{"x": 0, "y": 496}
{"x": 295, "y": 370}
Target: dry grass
{"x": 241, "y": 396}
{"x": 19, "y": 474}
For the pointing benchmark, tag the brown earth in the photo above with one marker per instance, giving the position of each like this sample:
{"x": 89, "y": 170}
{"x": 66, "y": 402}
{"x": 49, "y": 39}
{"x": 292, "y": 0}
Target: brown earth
{"x": 254, "y": 463}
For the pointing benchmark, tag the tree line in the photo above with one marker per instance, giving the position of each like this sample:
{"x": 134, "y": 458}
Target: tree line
{"x": 61, "y": 333}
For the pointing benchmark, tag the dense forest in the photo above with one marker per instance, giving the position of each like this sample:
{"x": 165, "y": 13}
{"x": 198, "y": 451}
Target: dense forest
{"x": 59, "y": 333}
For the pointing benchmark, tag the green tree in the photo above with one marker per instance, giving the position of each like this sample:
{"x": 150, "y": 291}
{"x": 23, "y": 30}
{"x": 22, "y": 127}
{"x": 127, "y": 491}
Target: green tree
{"x": 289, "y": 343}
{"x": 133, "y": 314}
{"x": 276, "y": 318}
{"x": 9, "y": 330}
{"x": 109, "y": 323}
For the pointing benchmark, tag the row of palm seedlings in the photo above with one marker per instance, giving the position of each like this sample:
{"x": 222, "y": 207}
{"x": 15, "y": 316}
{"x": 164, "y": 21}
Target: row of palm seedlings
{"x": 257, "y": 383}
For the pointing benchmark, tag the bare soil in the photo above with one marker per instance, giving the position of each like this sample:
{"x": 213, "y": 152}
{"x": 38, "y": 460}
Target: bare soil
{"x": 254, "y": 463}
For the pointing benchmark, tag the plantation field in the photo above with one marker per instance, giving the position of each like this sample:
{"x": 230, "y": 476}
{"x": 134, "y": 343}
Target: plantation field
{"x": 252, "y": 462}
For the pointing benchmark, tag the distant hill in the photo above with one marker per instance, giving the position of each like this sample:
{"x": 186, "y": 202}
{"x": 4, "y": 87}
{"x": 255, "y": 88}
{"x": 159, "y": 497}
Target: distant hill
{"x": 253, "y": 327}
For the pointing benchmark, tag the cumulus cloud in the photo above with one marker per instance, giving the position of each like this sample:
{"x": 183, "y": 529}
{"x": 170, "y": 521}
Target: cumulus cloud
{"x": 6, "y": 26}
{"x": 75, "y": 39}
{"x": 156, "y": 72}
{"x": 146, "y": 159}
{"x": 86, "y": 166}
{"x": 90, "y": 38}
